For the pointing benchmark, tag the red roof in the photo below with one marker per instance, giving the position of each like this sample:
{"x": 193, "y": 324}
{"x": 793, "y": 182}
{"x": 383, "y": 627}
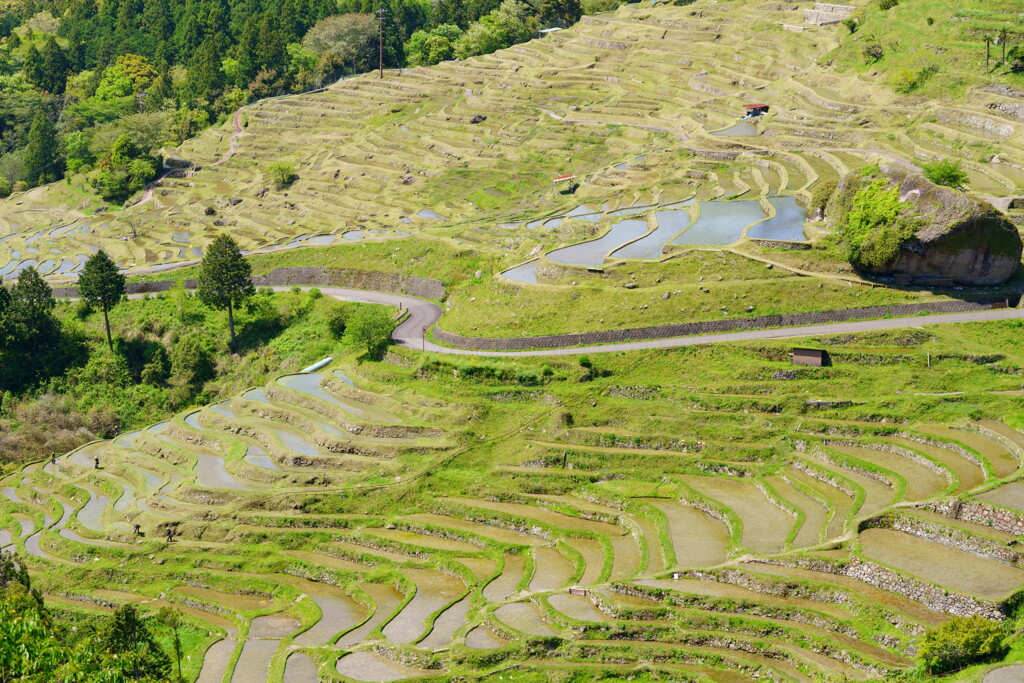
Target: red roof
{"x": 563, "y": 177}
{"x": 756, "y": 106}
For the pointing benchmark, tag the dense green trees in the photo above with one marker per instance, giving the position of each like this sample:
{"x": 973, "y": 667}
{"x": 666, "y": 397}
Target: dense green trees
{"x": 225, "y": 280}
{"x": 35, "y": 647}
{"x": 102, "y": 285}
{"x": 946, "y": 172}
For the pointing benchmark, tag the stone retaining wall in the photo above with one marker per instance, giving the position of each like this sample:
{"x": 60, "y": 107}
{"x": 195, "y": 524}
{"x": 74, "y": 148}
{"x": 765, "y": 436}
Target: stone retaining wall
{"x": 1000, "y": 519}
{"x": 708, "y": 327}
{"x": 374, "y": 280}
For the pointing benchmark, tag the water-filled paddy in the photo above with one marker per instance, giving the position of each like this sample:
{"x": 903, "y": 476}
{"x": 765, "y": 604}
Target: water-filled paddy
{"x": 593, "y": 558}
{"x": 386, "y": 598}
{"x": 1002, "y": 460}
{"x": 254, "y": 662}
{"x": 787, "y": 223}
{"x": 936, "y": 563}
{"x": 446, "y": 625}
{"x": 815, "y": 514}
{"x": 741, "y": 129}
{"x": 697, "y": 539}
{"x": 721, "y": 223}
{"x": 309, "y": 383}
{"x": 89, "y": 515}
{"x": 922, "y": 482}
{"x": 505, "y": 585}
{"x": 371, "y": 667}
{"x": 670, "y": 223}
{"x": 577, "y": 607}
{"x": 1008, "y": 496}
{"x": 592, "y": 253}
{"x": 525, "y": 273}
{"x": 765, "y": 526}
{"x": 300, "y": 669}
{"x": 552, "y": 569}
{"x": 525, "y": 617}
{"x": 969, "y": 474}
{"x": 210, "y": 472}
{"x": 483, "y": 638}
{"x": 215, "y": 663}
{"x": 339, "y": 612}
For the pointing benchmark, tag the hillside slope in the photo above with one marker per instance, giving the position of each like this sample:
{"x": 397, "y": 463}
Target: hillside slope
{"x": 594, "y": 100}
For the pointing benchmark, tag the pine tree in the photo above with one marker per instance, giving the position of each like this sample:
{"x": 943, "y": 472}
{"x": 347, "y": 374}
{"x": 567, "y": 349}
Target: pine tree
{"x": 33, "y": 66}
{"x": 30, "y": 321}
{"x": 54, "y": 67}
{"x": 102, "y": 285}
{"x": 41, "y": 160}
{"x": 204, "y": 74}
{"x": 225, "y": 279}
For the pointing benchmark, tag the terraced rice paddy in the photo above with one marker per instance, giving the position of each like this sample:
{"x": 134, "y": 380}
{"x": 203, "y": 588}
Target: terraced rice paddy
{"x": 368, "y": 593}
{"x": 624, "y": 119}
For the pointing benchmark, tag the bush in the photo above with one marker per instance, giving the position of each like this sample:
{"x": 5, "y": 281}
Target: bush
{"x": 823, "y": 192}
{"x": 946, "y": 172}
{"x": 873, "y": 52}
{"x": 851, "y": 25}
{"x": 1015, "y": 58}
{"x": 885, "y": 5}
{"x": 370, "y": 328}
{"x": 960, "y": 642}
{"x": 873, "y": 228}
{"x": 282, "y": 173}
{"x": 336, "y": 321}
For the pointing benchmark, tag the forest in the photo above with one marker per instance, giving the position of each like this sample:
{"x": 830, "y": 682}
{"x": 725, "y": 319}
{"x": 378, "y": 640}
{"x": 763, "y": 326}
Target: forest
{"x": 99, "y": 88}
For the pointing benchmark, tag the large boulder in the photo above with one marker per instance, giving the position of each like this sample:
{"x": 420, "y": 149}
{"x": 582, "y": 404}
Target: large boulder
{"x": 895, "y": 222}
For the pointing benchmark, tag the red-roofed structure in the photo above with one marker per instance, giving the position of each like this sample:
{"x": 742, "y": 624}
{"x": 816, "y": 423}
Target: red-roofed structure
{"x": 756, "y": 109}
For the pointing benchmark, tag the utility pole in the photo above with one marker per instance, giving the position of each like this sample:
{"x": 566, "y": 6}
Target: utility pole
{"x": 380, "y": 38}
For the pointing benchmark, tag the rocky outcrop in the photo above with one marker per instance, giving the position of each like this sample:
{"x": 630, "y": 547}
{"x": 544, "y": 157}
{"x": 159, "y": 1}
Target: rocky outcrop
{"x": 895, "y": 222}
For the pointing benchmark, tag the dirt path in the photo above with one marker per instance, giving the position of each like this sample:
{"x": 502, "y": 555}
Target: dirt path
{"x": 236, "y": 122}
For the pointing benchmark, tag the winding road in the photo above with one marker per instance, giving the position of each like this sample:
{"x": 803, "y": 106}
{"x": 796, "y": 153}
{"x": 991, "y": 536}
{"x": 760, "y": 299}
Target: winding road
{"x": 423, "y": 314}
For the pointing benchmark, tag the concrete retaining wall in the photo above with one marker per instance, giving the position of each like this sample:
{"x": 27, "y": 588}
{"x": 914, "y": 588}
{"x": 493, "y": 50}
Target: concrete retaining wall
{"x": 377, "y": 281}
{"x": 708, "y": 327}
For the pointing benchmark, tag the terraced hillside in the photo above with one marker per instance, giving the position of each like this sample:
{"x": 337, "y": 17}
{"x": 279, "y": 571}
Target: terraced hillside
{"x": 639, "y": 104}
{"x": 700, "y": 514}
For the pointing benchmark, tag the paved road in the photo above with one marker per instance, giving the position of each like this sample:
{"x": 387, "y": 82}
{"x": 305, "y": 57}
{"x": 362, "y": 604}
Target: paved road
{"x": 423, "y": 314}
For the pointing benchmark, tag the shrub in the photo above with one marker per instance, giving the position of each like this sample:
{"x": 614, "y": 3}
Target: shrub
{"x": 959, "y": 642}
{"x": 873, "y": 52}
{"x": 851, "y": 25}
{"x": 823, "y": 192}
{"x": 336, "y": 320}
{"x": 885, "y": 5}
{"x": 370, "y": 328}
{"x": 873, "y": 228}
{"x": 282, "y": 173}
{"x": 946, "y": 172}
{"x": 1015, "y": 58}
{"x": 930, "y": 21}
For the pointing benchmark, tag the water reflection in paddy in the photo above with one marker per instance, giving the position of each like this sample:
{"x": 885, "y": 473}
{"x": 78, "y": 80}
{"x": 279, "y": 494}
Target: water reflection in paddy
{"x": 525, "y": 273}
{"x": 309, "y": 383}
{"x": 670, "y": 223}
{"x": 592, "y": 253}
{"x": 787, "y": 223}
{"x": 741, "y": 129}
{"x": 721, "y": 223}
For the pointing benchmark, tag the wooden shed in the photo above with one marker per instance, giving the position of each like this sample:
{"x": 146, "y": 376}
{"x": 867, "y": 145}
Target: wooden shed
{"x": 756, "y": 109}
{"x": 817, "y": 358}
